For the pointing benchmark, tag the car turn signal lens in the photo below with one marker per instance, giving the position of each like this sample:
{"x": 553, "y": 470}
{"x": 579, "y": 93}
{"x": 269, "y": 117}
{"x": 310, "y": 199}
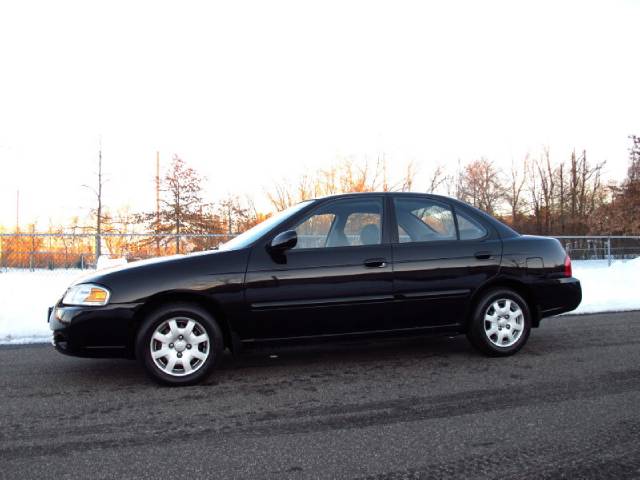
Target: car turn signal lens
{"x": 97, "y": 295}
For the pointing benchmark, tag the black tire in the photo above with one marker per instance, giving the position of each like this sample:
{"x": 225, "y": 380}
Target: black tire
{"x": 477, "y": 334}
{"x": 203, "y": 320}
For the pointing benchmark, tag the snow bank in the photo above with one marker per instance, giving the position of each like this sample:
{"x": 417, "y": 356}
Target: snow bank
{"x": 105, "y": 261}
{"x": 24, "y": 299}
{"x": 608, "y": 289}
{"x": 25, "y": 296}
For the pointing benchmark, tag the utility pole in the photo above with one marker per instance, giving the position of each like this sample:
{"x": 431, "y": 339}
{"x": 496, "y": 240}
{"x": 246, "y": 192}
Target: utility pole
{"x": 157, "y": 186}
{"x": 18, "y": 211}
{"x": 98, "y": 194}
{"x": 99, "y": 219}
{"x": 157, "y": 201}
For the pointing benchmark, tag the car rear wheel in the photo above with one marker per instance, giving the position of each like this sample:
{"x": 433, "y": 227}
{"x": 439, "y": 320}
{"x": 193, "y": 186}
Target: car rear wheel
{"x": 179, "y": 344}
{"x": 500, "y": 324}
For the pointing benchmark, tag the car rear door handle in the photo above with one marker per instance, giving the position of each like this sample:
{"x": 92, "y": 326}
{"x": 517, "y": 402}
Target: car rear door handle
{"x": 483, "y": 255}
{"x": 375, "y": 263}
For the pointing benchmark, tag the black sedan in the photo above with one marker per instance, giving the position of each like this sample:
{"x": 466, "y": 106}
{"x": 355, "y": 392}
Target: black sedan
{"x": 346, "y": 265}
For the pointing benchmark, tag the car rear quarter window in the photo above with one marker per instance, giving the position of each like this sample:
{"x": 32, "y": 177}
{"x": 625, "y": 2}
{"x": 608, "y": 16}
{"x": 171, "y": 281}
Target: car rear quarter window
{"x": 469, "y": 229}
{"x": 423, "y": 220}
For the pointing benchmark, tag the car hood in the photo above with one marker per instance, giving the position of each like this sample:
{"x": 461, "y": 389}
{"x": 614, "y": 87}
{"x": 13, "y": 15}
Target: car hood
{"x": 136, "y": 281}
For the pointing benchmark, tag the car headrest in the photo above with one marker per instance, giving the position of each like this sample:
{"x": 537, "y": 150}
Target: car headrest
{"x": 370, "y": 234}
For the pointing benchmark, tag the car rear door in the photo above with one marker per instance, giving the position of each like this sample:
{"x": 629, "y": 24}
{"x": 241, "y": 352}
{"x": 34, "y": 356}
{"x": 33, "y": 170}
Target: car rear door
{"x": 441, "y": 256}
{"x": 338, "y": 279}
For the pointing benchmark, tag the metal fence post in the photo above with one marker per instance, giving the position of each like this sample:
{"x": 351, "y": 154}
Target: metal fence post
{"x": 609, "y": 251}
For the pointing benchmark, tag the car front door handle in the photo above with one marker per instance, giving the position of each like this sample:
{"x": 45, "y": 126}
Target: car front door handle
{"x": 375, "y": 263}
{"x": 483, "y": 255}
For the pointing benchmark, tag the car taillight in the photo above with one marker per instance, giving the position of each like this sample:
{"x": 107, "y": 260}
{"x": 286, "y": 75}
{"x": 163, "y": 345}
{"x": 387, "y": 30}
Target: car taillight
{"x": 567, "y": 267}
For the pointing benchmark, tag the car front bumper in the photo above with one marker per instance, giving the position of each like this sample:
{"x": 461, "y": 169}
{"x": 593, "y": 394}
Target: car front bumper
{"x": 106, "y": 331}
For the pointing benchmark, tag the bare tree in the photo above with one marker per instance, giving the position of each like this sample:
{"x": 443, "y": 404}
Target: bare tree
{"x": 181, "y": 205}
{"x": 547, "y": 188}
{"x": 438, "y": 177}
{"x": 406, "y": 183}
{"x": 480, "y": 185}
{"x": 281, "y": 196}
{"x": 346, "y": 175}
{"x": 514, "y": 193}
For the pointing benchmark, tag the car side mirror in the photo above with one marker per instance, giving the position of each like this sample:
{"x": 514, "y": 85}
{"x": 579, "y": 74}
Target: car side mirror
{"x": 284, "y": 241}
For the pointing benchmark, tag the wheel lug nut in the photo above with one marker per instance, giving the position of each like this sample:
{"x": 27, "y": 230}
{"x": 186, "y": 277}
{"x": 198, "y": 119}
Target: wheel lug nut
{"x": 180, "y": 337}
{"x": 188, "y": 346}
{"x": 179, "y": 355}
{"x": 171, "y": 345}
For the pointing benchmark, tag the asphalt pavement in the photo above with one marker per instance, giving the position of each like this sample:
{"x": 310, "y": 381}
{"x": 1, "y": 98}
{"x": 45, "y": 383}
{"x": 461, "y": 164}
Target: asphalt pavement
{"x": 566, "y": 406}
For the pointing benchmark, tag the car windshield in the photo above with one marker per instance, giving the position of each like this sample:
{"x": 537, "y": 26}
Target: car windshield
{"x": 247, "y": 238}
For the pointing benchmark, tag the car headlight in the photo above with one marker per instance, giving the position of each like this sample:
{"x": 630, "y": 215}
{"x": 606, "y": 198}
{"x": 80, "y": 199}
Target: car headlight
{"x": 86, "y": 294}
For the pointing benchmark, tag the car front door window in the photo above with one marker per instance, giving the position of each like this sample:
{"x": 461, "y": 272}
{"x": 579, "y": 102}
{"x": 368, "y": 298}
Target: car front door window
{"x": 345, "y": 223}
{"x": 314, "y": 231}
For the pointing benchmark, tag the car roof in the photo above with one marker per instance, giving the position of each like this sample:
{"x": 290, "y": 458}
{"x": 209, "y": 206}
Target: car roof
{"x": 365, "y": 194}
{"x": 354, "y": 194}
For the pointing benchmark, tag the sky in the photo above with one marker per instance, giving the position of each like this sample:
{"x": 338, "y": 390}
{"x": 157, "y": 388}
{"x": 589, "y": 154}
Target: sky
{"x": 250, "y": 92}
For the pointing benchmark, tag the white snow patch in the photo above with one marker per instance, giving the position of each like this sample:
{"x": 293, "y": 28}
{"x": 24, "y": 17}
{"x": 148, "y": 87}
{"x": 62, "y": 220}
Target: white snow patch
{"x": 26, "y": 295}
{"x": 608, "y": 289}
{"x": 105, "y": 261}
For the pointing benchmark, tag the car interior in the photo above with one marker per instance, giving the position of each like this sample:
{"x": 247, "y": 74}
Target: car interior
{"x": 342, "y": 224}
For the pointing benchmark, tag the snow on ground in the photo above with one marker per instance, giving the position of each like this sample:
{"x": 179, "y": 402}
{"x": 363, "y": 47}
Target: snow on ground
{"x": 25, "y": 296}
{"x": 608, "y": 289}
{"x": 105, "y": 261}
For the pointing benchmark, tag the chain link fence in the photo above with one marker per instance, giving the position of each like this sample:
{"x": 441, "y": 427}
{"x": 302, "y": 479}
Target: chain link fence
{"x": 78, "y": 251}
{"x": 601, "y": 247}
{"x": 54, "y": 251}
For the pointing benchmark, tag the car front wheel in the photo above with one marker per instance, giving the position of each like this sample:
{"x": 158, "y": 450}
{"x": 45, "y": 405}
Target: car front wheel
{"x": 500, "y": 324}
{"x": 179, "y": 344}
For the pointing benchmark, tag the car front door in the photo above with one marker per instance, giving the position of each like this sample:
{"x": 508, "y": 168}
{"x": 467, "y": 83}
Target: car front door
{"x": 337, "y": 279}
{"x": 442, "y": 254}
